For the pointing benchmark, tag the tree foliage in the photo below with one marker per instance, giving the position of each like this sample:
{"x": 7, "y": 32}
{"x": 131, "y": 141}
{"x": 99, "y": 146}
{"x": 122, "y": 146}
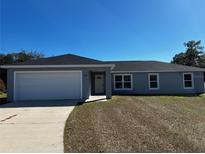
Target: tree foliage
{"x": 193, "y": 56}
{"x": 17, "y": 57}
{"x": 22, "y": 56}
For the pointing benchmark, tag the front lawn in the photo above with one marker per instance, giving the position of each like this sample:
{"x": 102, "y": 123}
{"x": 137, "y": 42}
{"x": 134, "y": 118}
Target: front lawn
{"x": 138, "y": 124}
{"x": 3, "y": 97}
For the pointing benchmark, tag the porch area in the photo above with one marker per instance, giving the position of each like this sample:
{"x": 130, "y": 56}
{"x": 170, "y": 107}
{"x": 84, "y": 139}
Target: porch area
{"x": 97, "y": 84}
{"x": 96, "y": 98}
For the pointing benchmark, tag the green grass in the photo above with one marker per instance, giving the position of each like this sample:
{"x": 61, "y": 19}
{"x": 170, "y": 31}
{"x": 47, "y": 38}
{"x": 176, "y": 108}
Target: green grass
{"x": 202, "y": 95}
{"x": 138, "y": 124}
{"x": 3, "y": 95}
{"x": 3, "y": 98}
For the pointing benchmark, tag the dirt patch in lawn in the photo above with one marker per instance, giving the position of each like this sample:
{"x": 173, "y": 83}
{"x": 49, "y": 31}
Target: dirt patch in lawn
{"x": 138, "y": 124}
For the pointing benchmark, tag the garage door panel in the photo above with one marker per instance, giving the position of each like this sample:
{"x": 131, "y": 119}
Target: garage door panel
{"x": 48, "y": 85}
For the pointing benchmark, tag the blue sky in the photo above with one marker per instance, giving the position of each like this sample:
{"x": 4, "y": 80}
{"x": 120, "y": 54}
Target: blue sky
{"x": 102, "y": 29}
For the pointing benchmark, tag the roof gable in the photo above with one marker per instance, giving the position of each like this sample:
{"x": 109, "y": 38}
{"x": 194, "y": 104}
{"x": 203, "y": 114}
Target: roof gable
{"x": 67, "y": 59}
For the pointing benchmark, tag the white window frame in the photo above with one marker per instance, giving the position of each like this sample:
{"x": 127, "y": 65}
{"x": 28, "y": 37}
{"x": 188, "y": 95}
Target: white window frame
{"x": 123, "y": 82}
{"x": 192, "y": 80}
{"x": 158, "y": 85}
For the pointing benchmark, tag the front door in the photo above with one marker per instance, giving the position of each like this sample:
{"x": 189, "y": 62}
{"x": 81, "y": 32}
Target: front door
{"x": 99, "y": 84}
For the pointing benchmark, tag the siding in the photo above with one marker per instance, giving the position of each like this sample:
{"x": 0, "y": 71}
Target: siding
{"x": 86, "y": 86}
{"x": 170, "y": 83}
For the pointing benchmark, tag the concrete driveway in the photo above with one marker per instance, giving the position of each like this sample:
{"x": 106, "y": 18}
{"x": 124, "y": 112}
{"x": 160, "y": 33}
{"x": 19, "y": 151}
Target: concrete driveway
{"x": 33, "y": 127}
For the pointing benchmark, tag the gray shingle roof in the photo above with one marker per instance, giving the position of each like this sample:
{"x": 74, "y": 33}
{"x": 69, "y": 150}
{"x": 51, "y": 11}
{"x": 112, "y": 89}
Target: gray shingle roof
{"x": 151, "y": 66}
{"x": 68, "y": 59}
{"x": 138, "y": 66}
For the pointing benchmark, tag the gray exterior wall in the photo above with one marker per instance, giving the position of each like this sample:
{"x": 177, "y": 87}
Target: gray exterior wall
{"x": 86, "y": 77}
{"x": 170, "y": 83}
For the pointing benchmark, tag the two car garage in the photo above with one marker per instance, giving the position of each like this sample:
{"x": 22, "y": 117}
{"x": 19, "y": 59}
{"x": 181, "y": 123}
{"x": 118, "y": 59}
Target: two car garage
{"x": 47, "y": 85}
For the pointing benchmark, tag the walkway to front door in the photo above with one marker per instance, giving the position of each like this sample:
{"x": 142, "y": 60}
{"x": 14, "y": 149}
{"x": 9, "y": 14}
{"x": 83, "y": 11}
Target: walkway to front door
{"x": 96, "y": 98}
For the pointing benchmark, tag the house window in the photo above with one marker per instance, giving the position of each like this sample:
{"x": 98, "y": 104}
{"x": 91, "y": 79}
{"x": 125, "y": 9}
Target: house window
{"x": 123, "y": 81}
{"x": 188, "y": 80}
{"x": 153, "y": 81}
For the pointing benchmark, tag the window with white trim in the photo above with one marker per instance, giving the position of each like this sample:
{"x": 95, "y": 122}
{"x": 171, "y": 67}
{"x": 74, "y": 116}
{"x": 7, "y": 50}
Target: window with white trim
{"x": 188, "y": 80}
{"x": 153, "y": 81}
{"x": 123, "y": 81}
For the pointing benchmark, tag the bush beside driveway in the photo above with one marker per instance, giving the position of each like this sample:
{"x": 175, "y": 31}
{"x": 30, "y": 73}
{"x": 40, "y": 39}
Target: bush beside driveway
{"x": 138, "y": 124}
{"x": 3, "y": 97}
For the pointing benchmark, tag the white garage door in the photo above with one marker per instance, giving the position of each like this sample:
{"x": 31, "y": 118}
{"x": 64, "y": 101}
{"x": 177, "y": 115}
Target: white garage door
{"x": 47, "y": 85}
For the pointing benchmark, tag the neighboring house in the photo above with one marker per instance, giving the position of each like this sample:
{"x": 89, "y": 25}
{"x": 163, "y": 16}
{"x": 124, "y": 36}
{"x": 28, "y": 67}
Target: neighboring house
{"x": 75, "y": 77}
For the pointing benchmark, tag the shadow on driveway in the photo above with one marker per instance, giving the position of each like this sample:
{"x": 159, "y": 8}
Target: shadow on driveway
{"x": 48, "y": 103}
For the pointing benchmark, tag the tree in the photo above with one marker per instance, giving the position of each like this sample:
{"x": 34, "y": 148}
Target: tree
{"x": 17, "y": 57}
{"x": 179, "y": 58}
{"x": 201, "y": 61}
{"x": 193, "y": 56}
{"x": 22, "y": 56}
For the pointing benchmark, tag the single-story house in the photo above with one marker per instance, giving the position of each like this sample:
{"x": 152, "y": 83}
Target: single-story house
{"x": 75, "y": 77}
